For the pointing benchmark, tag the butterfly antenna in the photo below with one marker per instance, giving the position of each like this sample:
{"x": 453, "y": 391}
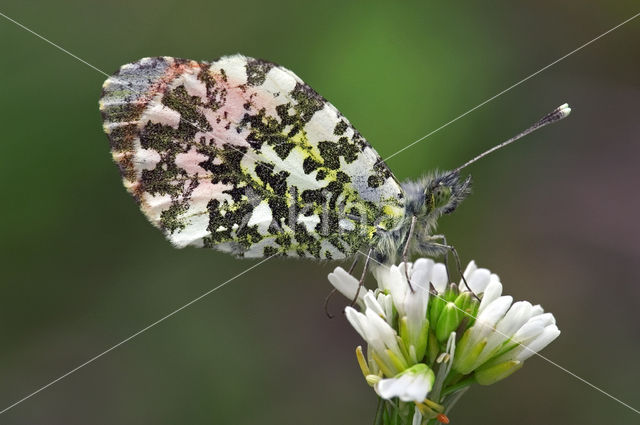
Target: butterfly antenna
{"x": 557, "y": 114}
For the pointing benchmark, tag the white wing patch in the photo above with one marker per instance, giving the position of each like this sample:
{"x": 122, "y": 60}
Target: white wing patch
{"x": 261, "y": 217}
{"x": 160, "y": 114}
{"x": 240, "y": 155}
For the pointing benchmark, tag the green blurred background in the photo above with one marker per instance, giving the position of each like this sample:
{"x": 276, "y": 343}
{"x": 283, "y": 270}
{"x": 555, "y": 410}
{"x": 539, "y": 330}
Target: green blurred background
{"x": 555, "y": 216}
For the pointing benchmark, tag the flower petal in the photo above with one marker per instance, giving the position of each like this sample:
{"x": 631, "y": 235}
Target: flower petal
{"x": 357, "y": 321}
{"x": 386, "y": 302}
{"x": 396, "y": 284}
{"x": 417, "y": 417}
{"x": 495, "y": 311}
{"x": 545, "y": 338}
{"x": 471, "y": 267}
{"x": 478, "y": 279}
{"x": 516, "y": 317}
{"x": 492, "y": 291}
{"x": 346, "y": 284}
{"x": 372, "y": 303}
{"x": 416, "y": 389}
{"x": 439, "y": 277}
{"x": 421, "y": 272}
{"x": 411, "y": 385}
{"x": 486, "y": 320}
{"x": 391, "y": 387}
{"x": 385, "y": 332}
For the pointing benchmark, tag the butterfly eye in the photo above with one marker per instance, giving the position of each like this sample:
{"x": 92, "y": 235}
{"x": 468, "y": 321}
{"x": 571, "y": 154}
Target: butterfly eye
{"x": 441, "y": 196}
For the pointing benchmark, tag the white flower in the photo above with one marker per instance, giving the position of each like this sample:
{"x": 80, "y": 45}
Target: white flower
{"x": 410, "y": 334}
{"x": 380, "y": 337}
{"x": 412, "y": 305}
{"x": 482, "y": 281}
{"x": 386, "y": 302}
{"x": 538, "y": 332}
{"x": 346, "y": 284}
{"x": 411, "y": 385}
{"x": 502, "y": 332}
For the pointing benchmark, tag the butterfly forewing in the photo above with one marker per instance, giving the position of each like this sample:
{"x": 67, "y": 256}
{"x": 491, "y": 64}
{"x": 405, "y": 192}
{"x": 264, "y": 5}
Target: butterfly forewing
{"x": 241, "y": 155}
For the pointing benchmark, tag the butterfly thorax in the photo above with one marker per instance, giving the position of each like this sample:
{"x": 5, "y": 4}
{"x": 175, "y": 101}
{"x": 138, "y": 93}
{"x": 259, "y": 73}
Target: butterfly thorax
{"x": 426, "y": 199}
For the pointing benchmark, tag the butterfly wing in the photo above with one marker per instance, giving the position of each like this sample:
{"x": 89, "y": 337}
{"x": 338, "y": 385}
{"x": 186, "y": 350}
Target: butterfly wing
{"x": 241, "y": 155}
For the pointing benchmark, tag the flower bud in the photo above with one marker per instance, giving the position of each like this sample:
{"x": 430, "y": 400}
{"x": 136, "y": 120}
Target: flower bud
{"x": 436, "y": 304}
{"x": 448, "y": 321}
{"x": 468, "y": 304}
{"x": 467, "y": 353}
{"x": 417, "y": 346}
{"x": 492, "y": 374}
{"x": 451, "y": 293}
{"x": 372, "y": 380}
{"x": 432, "y": 347}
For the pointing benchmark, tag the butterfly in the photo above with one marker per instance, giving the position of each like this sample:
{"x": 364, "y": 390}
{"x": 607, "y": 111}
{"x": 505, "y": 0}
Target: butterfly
{"x": 240, "y": 155}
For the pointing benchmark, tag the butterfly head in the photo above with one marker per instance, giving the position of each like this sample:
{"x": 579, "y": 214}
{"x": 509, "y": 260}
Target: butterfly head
{"x": 444, "y": 192}
{"x": 436, "y": 194}
{"x": 426, "y": 199}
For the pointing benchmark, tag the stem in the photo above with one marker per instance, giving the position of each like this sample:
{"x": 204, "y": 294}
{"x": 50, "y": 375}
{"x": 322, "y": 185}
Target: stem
{"x": 453, "y": 378}
{"x": 395, "y": 412}
{"x": 439, "y": 381}
{"x": 454, "y": 399}
{"x": 462, "y": 384}
{"x": 379, "y": 412}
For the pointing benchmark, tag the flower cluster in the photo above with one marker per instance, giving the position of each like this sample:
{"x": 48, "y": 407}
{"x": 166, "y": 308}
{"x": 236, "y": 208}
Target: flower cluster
{"x": 429, "y": 340}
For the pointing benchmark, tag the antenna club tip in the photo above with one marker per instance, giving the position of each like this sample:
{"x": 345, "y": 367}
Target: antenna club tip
{"x": 564, "y": 110}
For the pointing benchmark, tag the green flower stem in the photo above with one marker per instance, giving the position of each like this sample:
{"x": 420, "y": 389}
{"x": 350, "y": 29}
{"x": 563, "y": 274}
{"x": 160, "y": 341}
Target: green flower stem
{"x": 453, "y": 399}
{"x": 452, "y": 378}
{"x": 462, "y": 384}
{"x": 392, "y": 413}
{"x": 379, "y": 412}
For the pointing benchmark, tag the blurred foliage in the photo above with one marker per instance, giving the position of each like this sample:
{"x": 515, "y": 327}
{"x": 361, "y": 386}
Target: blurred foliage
{"x": 556, "y": 215}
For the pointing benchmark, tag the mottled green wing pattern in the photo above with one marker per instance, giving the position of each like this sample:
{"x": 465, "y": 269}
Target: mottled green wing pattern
{"x": 240, "y": 155}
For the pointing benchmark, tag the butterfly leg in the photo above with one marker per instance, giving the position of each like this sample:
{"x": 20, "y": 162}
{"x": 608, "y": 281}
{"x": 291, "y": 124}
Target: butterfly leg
{"x": 353, "y": 265}
{"x": 364, "y": 274}
{"x": 405, "y": 251}
{"x": 334, "y": 290}
{"x": 458, "y": 264}
{"x": 443, "y": 238}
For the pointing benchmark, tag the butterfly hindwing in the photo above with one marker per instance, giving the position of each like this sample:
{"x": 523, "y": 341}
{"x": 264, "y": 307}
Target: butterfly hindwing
{"x": 239, "y": 154}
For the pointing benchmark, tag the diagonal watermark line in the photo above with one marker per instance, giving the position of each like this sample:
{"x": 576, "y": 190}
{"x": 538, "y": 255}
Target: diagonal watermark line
{"x": 266, "y": 259}
{"x": 548, "y": 360}
{"x": 116, "y": 80}
{"x": 193, "y": 124}
{"x": 54, "y": 44}
{"x": 129, "y": 338}
{"x": 513, "y": 86}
